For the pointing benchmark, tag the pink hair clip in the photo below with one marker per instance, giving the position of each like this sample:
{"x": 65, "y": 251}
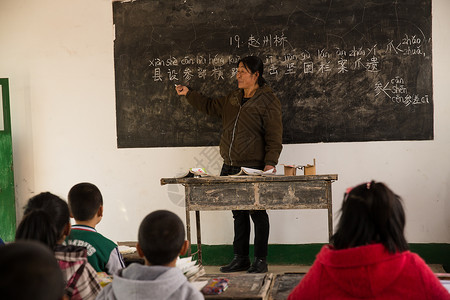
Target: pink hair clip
{"x": 368, "y": 185}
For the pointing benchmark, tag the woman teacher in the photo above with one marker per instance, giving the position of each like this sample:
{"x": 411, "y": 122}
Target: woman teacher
{"x": 252, "y": 133}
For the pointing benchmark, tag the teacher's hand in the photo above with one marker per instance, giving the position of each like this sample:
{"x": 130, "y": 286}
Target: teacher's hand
{"x": 269, "y": 167}
{"x": 181, "y": 90}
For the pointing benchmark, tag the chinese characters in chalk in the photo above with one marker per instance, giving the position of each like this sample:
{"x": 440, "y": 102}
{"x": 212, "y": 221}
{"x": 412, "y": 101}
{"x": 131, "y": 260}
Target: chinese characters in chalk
{"x": 281, "y": 59}
{"x": 396, "y": 90}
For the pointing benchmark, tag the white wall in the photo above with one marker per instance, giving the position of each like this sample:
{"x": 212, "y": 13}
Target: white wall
{"x": 58, "y": 55}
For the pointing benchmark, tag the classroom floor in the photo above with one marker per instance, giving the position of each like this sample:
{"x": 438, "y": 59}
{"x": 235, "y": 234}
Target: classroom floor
{"x": 281, "y": 269}
{"x": 276, "y": 269}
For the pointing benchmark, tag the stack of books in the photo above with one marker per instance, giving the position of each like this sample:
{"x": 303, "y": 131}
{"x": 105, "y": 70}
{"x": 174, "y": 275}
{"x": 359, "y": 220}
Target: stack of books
{"x": 190, "y": 268}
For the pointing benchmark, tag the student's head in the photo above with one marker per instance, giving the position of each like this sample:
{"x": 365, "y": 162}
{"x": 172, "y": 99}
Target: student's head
{"x": 161, "y": 237}
{"x": 371, "y": 213}
{"x": 46, "y": 219}
{"x": 37, "y": 225}
{"x": 254, "y": 66}
{"x": 29, "y": 270}
{"x": 85, "y": 199}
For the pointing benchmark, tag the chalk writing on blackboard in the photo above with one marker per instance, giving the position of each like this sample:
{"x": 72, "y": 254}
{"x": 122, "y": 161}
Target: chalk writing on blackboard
{"x": 396, "y": 90}
{"x": 213, "y": 66}
{"x": 343, "y": 70}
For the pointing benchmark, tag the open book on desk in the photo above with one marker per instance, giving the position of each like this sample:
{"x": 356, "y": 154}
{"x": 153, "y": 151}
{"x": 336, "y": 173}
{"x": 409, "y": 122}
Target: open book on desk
{"x": 254, "y": 172}
{"x": 193, "y": 172}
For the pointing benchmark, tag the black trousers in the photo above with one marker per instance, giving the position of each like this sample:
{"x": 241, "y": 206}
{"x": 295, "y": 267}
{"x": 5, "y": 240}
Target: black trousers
{"x": 242, "y": 225}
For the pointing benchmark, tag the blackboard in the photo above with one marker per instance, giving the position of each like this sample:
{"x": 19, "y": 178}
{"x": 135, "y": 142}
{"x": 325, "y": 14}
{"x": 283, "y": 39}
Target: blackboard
{"x": 344, "y": 70}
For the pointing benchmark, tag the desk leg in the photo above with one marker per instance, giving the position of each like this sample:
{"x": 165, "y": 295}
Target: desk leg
{"x": 188, "y": 230}
{"x": 199, "y": 237}
{"x": 330, "y": 223}
{"x": 330, "y": 213}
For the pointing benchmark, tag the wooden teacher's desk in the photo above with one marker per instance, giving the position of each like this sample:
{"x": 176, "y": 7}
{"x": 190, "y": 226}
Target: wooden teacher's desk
{"x": 254, "y": 193}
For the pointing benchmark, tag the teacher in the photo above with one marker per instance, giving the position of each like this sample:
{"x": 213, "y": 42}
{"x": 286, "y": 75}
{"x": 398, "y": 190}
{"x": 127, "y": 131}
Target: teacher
{"x": 252, "y": 133}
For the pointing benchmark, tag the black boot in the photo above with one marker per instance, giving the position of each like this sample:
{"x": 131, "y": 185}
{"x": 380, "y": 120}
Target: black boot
{"x": 239, "y": 263}
{"x": 258, "y": 266}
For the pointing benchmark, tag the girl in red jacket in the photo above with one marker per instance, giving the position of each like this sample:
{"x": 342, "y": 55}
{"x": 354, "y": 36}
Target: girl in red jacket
{"x": 368, "y": 257}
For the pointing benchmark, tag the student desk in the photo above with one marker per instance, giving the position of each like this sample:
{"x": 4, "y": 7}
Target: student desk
{"x": 283, "y": 284}
{"x": 254, "y": 193}
{"x": 242, "y": 286}
{"x": 267, "y": 286}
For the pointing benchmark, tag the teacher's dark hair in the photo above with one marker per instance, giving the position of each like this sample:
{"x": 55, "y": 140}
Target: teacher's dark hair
{"x": 254, "y": 64}
{"x": 371, "y": 213}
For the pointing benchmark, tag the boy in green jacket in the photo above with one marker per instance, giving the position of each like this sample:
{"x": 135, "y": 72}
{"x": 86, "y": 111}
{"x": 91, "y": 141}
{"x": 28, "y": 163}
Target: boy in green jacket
{"x": 86, "y": 207}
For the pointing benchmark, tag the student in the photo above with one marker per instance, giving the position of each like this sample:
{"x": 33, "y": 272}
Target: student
{"x": 29, "y": 270}
{"x": 47, "y": 220}
{"x": 161, "y": 239}
{"x": 86, "y": 207}
{"x": 368, "y": 257}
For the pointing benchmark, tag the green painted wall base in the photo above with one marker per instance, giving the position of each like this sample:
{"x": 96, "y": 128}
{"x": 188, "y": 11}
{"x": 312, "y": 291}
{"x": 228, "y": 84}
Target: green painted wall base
{"x": 305, "y": 254}
{"x": 7, "y": 197}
